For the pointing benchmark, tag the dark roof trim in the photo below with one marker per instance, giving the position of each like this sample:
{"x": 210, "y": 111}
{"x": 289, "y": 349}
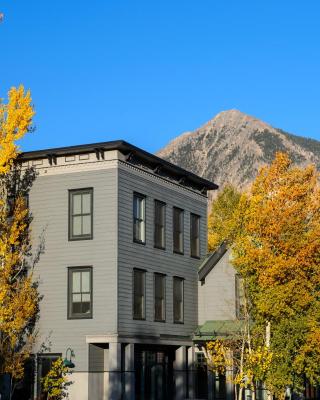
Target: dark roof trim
{"x": 128, "y": 150}
{"x": 211, "y": 261}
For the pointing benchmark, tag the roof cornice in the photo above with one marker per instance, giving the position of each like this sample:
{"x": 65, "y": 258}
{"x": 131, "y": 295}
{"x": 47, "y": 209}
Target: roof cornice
{"x": 157, "y": 164}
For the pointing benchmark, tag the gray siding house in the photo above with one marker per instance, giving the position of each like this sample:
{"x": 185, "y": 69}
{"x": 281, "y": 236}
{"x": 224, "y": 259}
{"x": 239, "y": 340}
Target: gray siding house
{"x": 124, "y": 233}
{"x": 219, "y": 305}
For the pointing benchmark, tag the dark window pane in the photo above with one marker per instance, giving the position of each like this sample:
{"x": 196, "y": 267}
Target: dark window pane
{"x": 159, "y": 224}
{"x": 138, "y": 293}
{"x": 177, "y": 230}
{"x": 85, "y": 304}
{"x": 178, "y": 299}
{"x": 159, "y": 297}
{"x": 76, "y": 308}
{"x": 195, "y": 235}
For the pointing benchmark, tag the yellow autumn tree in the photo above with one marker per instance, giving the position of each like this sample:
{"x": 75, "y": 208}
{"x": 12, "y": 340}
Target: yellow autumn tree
{"x": 56, "y": 382}
{"x": 222, "y": 221}
{"x": 18, "y": 292}
{"x": 243, "y": 353}
{"x": 15, "y": 121}
{"x": 274, "y": 235}
{"x": 277, "y": 252}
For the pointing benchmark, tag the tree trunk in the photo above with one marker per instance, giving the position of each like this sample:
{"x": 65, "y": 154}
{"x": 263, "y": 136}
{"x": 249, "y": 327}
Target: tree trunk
{"x": 253, "y": 391}
{"x": 240, "y": 393}
{"x": 268, "y": 340}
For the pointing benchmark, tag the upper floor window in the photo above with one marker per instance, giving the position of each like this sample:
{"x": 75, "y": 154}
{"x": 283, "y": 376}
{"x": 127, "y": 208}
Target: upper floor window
{"x": 139, "y": 218}
{"x": 178, "y": 230}
{"x": 139, "y": 279}
{"x": 159, "y": 297}
{"x": 80, "y": 214}
{"x": 194, "y": 235}
{"x": 80, "y": 292}
{"x": 240, "y": 297}
{"x": 178, "y": 299}
{"x": 159, "y": 224}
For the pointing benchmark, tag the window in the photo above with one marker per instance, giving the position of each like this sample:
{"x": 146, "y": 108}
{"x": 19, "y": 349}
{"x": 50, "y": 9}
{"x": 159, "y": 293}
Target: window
{"x": 159, "y": 224}
{"x": 159, "y": 297}
{"x": 139, "y": 218}
{"x": 177, "y": 230}
{"x": 80, "y": 214}
{"x": 139, "y": 277}
{"x": 178, "y": 300}
{"x": 240, "y": 297}
{"x": 194, "y": 235}
{"x": 80, "y": 292}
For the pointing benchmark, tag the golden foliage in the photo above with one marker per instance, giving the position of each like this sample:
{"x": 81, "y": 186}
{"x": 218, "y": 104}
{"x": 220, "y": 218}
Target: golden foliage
{"x": 280, "y": 244}
{"x": 274, "y": 233}
{"x": 18, "y": 293}
{"x": 249, "y": 366}
{"x": 222, "y": 220}
{"x": 55, "y": 383}
{"x": 217, "y": 356}
{"x": 277, "y": 250}
{"x": 15, "y": 122}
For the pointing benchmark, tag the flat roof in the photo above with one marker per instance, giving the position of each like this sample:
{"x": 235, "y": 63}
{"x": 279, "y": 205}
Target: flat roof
{"x": 126, "y": 148}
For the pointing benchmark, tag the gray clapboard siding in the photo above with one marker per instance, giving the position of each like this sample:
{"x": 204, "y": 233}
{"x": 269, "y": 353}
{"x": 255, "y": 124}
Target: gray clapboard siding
{"x": 217, "y": 294}
{"x": 134, "y": 255}
{"x": 49, "y": 203}
{"x": 112, "y": 255}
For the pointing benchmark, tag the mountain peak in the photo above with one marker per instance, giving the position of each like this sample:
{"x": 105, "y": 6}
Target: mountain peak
{"x": 237, "y": 120}
{"x": 232, "y": 146}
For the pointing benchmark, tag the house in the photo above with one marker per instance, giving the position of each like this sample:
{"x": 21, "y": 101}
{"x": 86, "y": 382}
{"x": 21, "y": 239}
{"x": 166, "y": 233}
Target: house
{"x": 124, "y": 233}
{"x": 219, "y": 304}
{"x": 220, "y": 311}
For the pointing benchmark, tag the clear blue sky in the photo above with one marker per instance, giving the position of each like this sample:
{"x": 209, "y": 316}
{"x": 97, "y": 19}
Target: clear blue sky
{"x": 145, "y": 71}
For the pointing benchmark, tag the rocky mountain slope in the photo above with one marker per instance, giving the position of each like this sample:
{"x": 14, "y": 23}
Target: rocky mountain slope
{"x": 232, "y": 146}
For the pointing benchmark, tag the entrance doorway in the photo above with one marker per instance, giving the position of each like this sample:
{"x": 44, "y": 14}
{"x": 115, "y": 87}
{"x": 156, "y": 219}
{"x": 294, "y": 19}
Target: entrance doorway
{"x": 154, "y": 373}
